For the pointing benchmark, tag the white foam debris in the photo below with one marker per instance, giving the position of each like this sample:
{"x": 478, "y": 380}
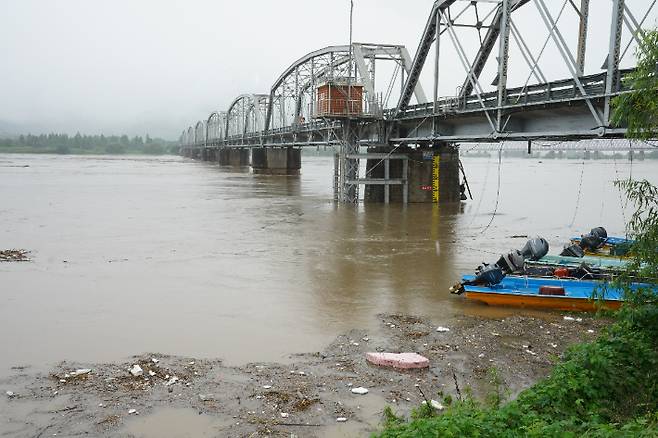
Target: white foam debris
{"x": 136, "y": 370}
{"x": 360, "y": 390}
{"x": 442, "y": 329}
{"x": 341, "y": 420}
{"x": 132, "y": 411}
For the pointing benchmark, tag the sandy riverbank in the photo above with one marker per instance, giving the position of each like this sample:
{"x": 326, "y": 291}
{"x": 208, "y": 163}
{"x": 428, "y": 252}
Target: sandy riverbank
{"x": 304, "y": 398}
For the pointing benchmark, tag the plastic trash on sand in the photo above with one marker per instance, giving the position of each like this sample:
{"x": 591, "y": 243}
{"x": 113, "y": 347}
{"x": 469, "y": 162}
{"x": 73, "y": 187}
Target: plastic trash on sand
{"x": 435, "y": 404}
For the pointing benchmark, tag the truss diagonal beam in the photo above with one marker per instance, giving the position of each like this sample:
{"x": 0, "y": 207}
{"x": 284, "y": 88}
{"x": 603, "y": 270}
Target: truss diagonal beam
{"x": 566, "y": 55}
{"x": 612, "y": 78}
{"x": 582, "y": 36}
{"x": 474, "y": 81}
{"x": 487, "y": 46}
{"x": 421, "y": 54}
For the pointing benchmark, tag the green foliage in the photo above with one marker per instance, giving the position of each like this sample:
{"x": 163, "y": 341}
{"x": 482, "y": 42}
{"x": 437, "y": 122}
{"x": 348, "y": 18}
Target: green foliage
{"x": 643, "y": 229}
{"x": 87, "y": 144}
{"x": 638, "y": 110}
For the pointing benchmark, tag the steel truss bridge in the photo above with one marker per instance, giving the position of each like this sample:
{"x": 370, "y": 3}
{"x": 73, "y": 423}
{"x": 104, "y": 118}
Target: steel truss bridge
{"x": 395, "y": 109}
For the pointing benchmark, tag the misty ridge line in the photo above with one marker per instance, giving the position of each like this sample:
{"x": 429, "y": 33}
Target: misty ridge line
{"x": 79, "y": 144}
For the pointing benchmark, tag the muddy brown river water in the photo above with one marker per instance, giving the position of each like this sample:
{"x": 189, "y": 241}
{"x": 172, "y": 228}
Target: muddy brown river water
{"x": 139, "y": 254}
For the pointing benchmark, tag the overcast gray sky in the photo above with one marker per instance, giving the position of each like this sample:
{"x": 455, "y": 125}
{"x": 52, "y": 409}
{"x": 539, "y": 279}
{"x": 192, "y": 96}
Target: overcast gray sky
{"x": 156, "y": 66}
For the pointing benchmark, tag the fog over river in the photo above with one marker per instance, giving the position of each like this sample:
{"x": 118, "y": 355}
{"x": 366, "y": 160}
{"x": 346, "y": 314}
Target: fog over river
{"x": 142, "y": 254}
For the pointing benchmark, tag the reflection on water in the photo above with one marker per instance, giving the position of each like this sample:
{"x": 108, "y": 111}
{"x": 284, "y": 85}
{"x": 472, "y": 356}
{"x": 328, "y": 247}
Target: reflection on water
{"x": 176, "y": 256}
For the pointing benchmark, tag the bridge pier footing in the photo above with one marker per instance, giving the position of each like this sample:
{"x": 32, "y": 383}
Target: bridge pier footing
{"x": 233, "y": 157}
{"x": 432, "y": 175}
{"x": 209, "y": 154}
{"x": 276, "y": 161}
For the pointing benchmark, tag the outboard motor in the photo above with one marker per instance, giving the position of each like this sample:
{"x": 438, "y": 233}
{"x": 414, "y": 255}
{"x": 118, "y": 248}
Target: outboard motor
{"x": 511, "y": 262}
{"x": 490, "y": 275}
{"x": 594, "y": 239}
{"x": 535, "y": 249}
{"x": 573, "y": 251}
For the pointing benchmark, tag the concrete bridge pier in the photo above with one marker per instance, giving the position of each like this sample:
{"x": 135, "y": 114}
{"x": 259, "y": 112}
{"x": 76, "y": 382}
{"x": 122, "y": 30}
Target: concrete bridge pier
{"x": 432, "y": 174}
{"x": 276, "y": 161}
{"x": 238, "y": 157}
{"x": 208, "y": 154}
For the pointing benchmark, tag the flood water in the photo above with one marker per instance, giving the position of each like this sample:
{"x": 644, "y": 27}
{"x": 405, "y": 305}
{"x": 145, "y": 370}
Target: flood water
{"x": 169, "y": 255}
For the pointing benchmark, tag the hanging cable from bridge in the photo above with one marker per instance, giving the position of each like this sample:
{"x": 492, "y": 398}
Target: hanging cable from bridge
{"x": 493, "y": 215}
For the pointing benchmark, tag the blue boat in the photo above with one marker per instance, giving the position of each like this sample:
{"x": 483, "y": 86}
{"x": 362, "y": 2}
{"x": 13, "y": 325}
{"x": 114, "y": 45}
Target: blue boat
{"x": 612, "y": 241}
{"x": 610, "y": 247}
{"x": 548, "y": 293}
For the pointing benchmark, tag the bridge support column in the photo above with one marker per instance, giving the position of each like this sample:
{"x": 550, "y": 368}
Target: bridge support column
{"x": 211, "y": 154}
{"x": 347, "y": 165}
{"x": 238, "y": 157}
{"x": 432, "y": 175}
{"x": 276, "y": 161}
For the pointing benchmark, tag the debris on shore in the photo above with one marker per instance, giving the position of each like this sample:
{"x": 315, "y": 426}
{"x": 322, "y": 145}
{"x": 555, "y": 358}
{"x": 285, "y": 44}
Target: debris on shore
{"x": 338, "y": 385}
{"x": 14, "y": 255}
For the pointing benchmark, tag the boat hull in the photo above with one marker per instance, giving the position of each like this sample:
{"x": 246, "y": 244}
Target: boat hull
{"x": 542, "y": 302}
{"x": 546, "y": 293}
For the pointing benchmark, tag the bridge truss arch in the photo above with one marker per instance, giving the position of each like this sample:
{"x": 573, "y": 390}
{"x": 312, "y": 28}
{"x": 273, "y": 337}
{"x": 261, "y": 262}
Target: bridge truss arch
{"x": 293, "y": 96}
{"x": 216, "y": 128}
{"x": 246, "y": 115}
{"x": 188, "y": 136}
{"x": 200, "y": 133}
